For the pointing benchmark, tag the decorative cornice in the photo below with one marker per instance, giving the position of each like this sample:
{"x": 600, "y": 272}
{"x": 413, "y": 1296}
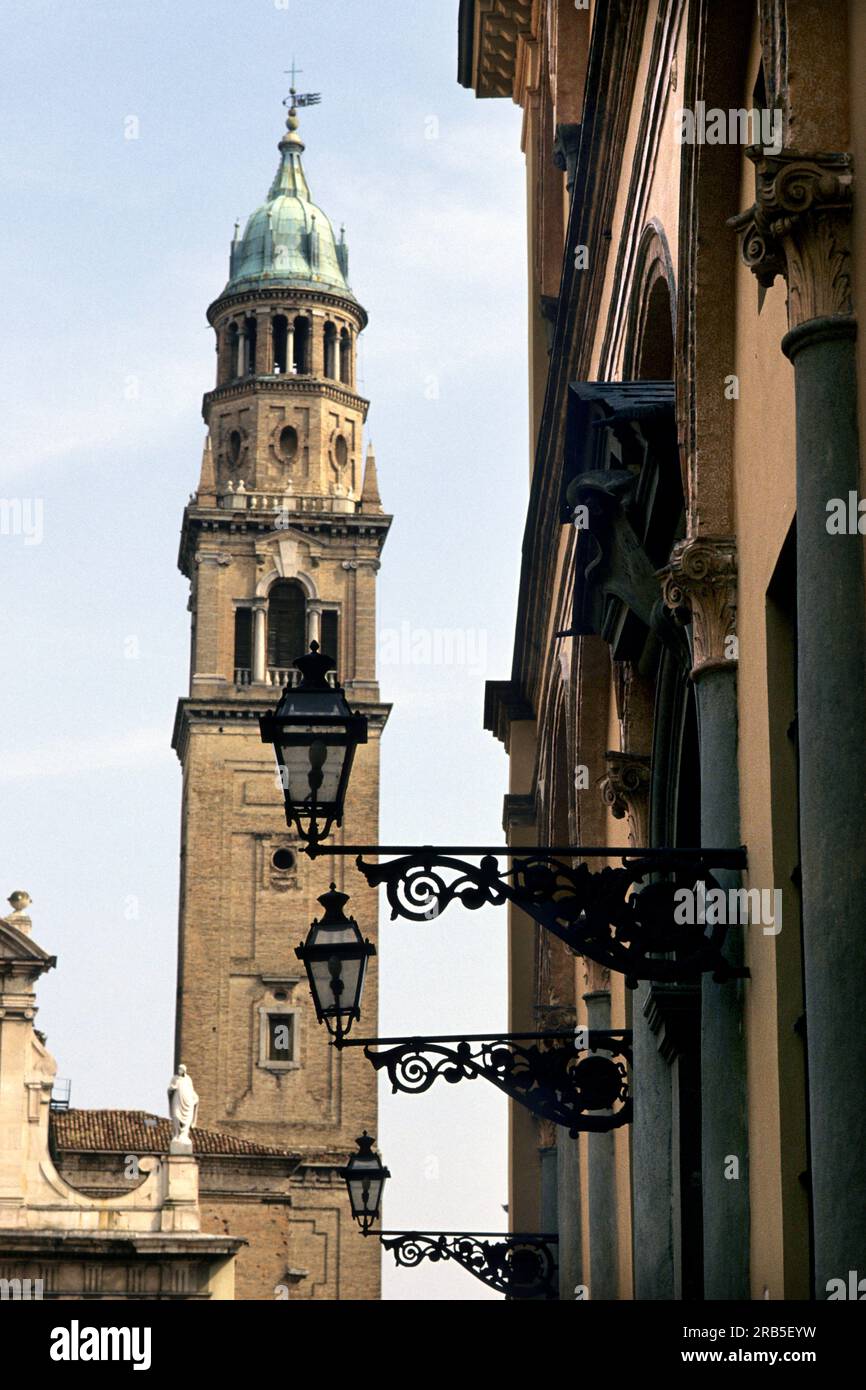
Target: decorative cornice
{"x": 700, "y": 585}
{"x": 489, "y": 34}
{"x": 259, "y": 525}
{"x": 272, "y": 297}
{"x": 22, "y": 961}
{"x": 799, "y": 227}
{"x": 243, "y": 713}
{"x": 625, "y": 789}
{"x": 504, "y": 702}
{"x": 283, "y": 386}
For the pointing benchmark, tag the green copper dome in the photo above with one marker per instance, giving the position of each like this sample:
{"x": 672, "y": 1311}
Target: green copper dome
{"x": 289, "y": 240}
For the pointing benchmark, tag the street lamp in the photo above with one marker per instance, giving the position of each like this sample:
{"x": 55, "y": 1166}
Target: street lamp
{"x": 624, "y": 919}
{"x": 315, "y": 735}
{"x": 520, "y": 1266}
{"x": 365, "y": 1179}
{"x": 335, "y": 955}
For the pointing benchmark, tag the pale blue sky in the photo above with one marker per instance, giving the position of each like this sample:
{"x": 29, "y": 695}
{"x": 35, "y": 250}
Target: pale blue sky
{"x": 113, "y": 249}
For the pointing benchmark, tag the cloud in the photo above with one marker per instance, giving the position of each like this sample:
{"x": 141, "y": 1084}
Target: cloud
{"x": 477, "y": 147}
{"x": 142, "y": 410}
{"x": 138, "y": 748}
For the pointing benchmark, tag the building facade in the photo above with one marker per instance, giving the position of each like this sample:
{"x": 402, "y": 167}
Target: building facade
{"x": 281, "y": 544}
{"x": 690, "y": 639}
{"x": 59, "y": 1239}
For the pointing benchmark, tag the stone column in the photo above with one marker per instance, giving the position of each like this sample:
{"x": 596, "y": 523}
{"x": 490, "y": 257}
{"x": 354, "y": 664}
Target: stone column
{"x": 799, "y": 227}
{"x": 210, "y": 656}
{"x": 290, "y": 347}
{"x": 524, "y": 1164}
{"x": 700, "y": 584}
{"x": 224, "y": 363}
{"x": 625, "y": 789}
{"x": 259, "y": 641}
{"x": 317, "y": 342}
{"x": 314, "y": 624}
{"x": 601, "y": 1181}
{"x": 568, "y": 1215}
{"x": 264, "y": 364}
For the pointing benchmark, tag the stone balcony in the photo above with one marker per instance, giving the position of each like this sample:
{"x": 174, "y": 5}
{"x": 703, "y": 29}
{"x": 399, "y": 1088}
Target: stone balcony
{"x": 238, "y": 499}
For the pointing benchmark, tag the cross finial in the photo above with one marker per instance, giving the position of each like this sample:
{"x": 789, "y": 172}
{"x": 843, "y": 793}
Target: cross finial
{"x": 296, "y": 98}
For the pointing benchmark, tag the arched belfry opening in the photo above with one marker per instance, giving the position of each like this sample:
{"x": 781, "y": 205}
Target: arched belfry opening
{"x": 232, "y": 350}
{"x": 250, "y": 337}
{"x": 287, "y": 624}
{"x": 280, "y": 330}
{"x": 301, "y": 336}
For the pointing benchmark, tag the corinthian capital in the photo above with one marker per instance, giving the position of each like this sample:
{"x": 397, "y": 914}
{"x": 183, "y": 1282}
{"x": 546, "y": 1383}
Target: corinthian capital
{"x": 625, "y": 789}
{"x": 799, "y": 227}
{"x": 700, "y": 583}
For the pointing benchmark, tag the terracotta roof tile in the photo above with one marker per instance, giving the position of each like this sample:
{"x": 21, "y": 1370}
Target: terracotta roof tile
{"x": 136, "y": 1131}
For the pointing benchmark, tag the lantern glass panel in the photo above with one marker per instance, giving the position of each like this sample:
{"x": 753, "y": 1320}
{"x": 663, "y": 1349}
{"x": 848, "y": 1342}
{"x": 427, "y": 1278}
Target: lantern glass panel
{"x": 296, "y": 768}
{"x": 330, "y": 972}
{"x": 300, "y": 703}
{"x": 365, "y": 1182}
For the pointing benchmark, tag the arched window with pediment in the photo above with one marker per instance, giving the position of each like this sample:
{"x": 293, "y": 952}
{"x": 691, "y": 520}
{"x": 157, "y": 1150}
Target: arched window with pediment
{"x": 287, "y": 628}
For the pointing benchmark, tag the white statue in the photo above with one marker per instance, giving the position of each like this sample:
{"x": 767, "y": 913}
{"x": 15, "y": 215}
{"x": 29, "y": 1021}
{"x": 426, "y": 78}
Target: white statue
{"x": 183, "y": 1109}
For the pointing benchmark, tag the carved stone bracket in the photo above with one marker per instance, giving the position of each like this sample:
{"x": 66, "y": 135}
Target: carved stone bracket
{"x": 673, "y": 1012}
{"x": 518, "y": 811}
{"x": 799, "y": 227}
{"x": 625, "y": 789}
{"x": 700, "y": 584}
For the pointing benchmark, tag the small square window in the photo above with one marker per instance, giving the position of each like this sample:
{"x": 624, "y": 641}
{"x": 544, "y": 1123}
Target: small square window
{"x": 279, "y": 1042}
{"x": 281, "y": 1038}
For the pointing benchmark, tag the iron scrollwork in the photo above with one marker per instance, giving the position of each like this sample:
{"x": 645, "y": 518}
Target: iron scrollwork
{"x": 545, "y": 1073}
{"x": 622, "y": 918}
{"x": 519, "y": 1266}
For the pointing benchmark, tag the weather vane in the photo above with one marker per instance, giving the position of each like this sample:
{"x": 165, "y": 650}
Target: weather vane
{"x": 295, "y": 98}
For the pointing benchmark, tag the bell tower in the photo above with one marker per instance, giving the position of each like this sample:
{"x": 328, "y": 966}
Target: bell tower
{"x": 281, "y": 544}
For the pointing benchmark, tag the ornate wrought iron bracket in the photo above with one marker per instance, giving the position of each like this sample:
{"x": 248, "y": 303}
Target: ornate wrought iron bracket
{"x": 545, "y": 1072}
{"x": 520, "y": 1266}
{"x": 625, "y": 918}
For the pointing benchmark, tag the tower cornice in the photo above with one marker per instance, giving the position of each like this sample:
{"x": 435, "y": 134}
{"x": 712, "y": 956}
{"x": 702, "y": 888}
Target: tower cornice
{"x": 243, "y": 711}
{"x": 275, "y": 296}
{"x": 284, "y": 385}
{"x": 373, "y": 526}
